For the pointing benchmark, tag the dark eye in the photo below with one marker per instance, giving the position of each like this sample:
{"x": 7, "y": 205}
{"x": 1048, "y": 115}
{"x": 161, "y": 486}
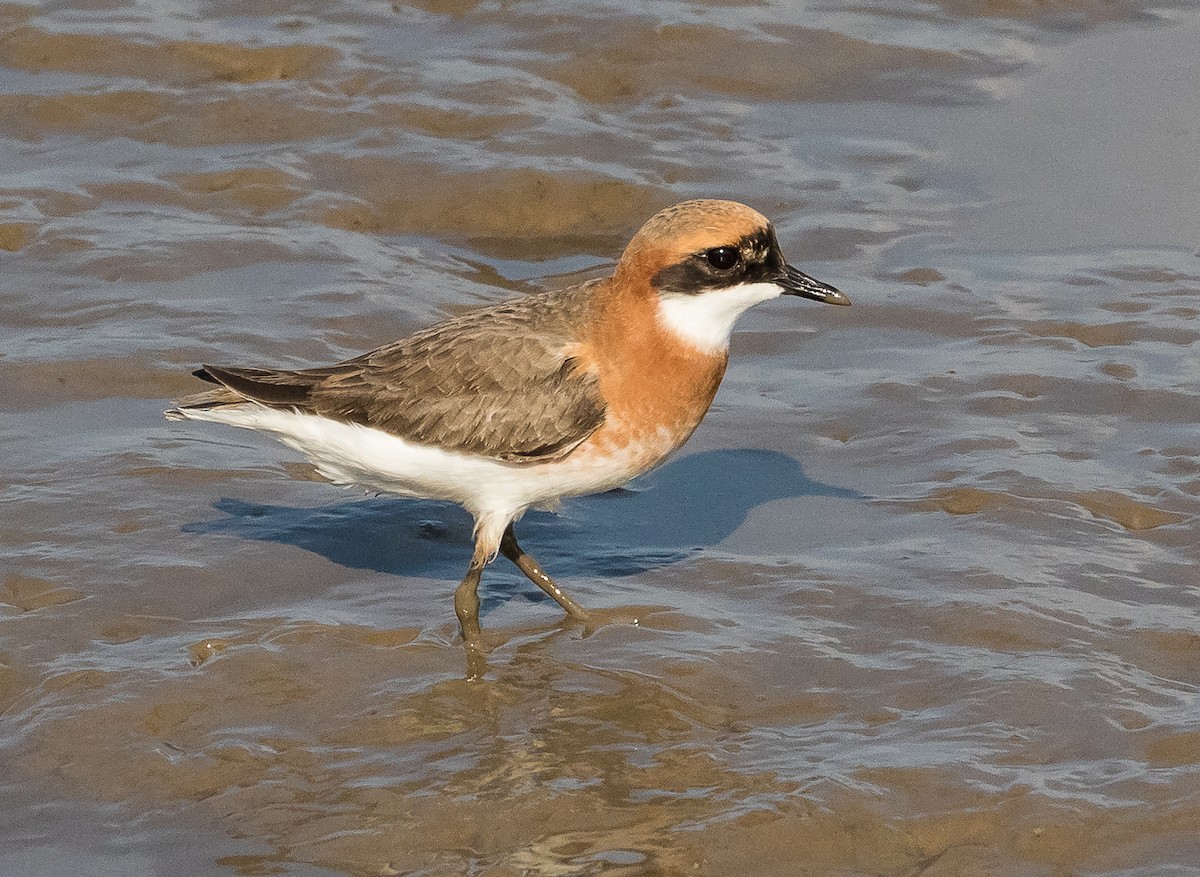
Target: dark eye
{"x": 723, "y": 258}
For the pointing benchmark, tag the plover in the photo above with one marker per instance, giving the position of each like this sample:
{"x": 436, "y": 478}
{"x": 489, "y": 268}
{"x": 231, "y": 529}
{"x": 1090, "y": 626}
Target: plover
{"x": 528, "y": 401}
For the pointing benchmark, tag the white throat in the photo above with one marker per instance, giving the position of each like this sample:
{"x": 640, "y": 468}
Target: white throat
{"x": 705, "y": 321}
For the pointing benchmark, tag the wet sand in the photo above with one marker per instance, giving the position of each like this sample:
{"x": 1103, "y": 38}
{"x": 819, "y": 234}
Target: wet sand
{"x": 918, "y": 598}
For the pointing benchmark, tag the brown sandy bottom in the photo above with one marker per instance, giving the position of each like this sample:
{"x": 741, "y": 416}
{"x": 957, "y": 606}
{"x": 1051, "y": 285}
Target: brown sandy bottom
{"x": 919, "y": 598}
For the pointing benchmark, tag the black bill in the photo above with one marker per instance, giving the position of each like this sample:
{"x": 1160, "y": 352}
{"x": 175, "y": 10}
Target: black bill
{"x": 796, "y": 282}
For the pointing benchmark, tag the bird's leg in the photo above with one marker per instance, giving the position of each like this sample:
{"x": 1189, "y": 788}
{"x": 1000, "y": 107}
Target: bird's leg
{"x": 466, "y": 607}
{"x": 534, "y": 572}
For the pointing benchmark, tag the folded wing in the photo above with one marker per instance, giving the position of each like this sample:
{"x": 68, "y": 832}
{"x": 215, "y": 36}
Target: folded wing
{"x": 499, "y": 382}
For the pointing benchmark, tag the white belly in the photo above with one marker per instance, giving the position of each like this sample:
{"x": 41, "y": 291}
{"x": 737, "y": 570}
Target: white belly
{"x": 351, "y": 454}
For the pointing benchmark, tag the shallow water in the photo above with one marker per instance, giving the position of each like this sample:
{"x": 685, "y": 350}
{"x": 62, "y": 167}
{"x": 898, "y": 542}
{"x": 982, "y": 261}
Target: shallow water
{"x": 919, "y": 597}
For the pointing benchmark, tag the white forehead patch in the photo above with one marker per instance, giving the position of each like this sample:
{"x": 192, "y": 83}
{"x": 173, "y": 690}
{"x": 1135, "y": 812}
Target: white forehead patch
{"x": 705, "y": 321}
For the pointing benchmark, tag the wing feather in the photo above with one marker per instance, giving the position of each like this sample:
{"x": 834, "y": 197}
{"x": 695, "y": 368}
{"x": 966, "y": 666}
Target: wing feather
{"x": 499, "y": 382}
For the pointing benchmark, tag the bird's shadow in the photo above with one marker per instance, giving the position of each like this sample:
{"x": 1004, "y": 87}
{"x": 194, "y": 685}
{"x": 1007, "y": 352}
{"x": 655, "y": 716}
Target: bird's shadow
{"x": 693, "y": 502}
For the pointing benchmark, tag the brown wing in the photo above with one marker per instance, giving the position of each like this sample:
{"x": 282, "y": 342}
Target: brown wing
{"x": 499, "y": 382}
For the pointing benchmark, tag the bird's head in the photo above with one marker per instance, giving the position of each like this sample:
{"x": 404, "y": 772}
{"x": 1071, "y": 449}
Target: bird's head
{"x": 707, "y": 261}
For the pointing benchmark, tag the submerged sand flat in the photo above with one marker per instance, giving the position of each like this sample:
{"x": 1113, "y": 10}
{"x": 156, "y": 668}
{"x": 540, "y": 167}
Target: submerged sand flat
{"x": 920, "y": 597}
